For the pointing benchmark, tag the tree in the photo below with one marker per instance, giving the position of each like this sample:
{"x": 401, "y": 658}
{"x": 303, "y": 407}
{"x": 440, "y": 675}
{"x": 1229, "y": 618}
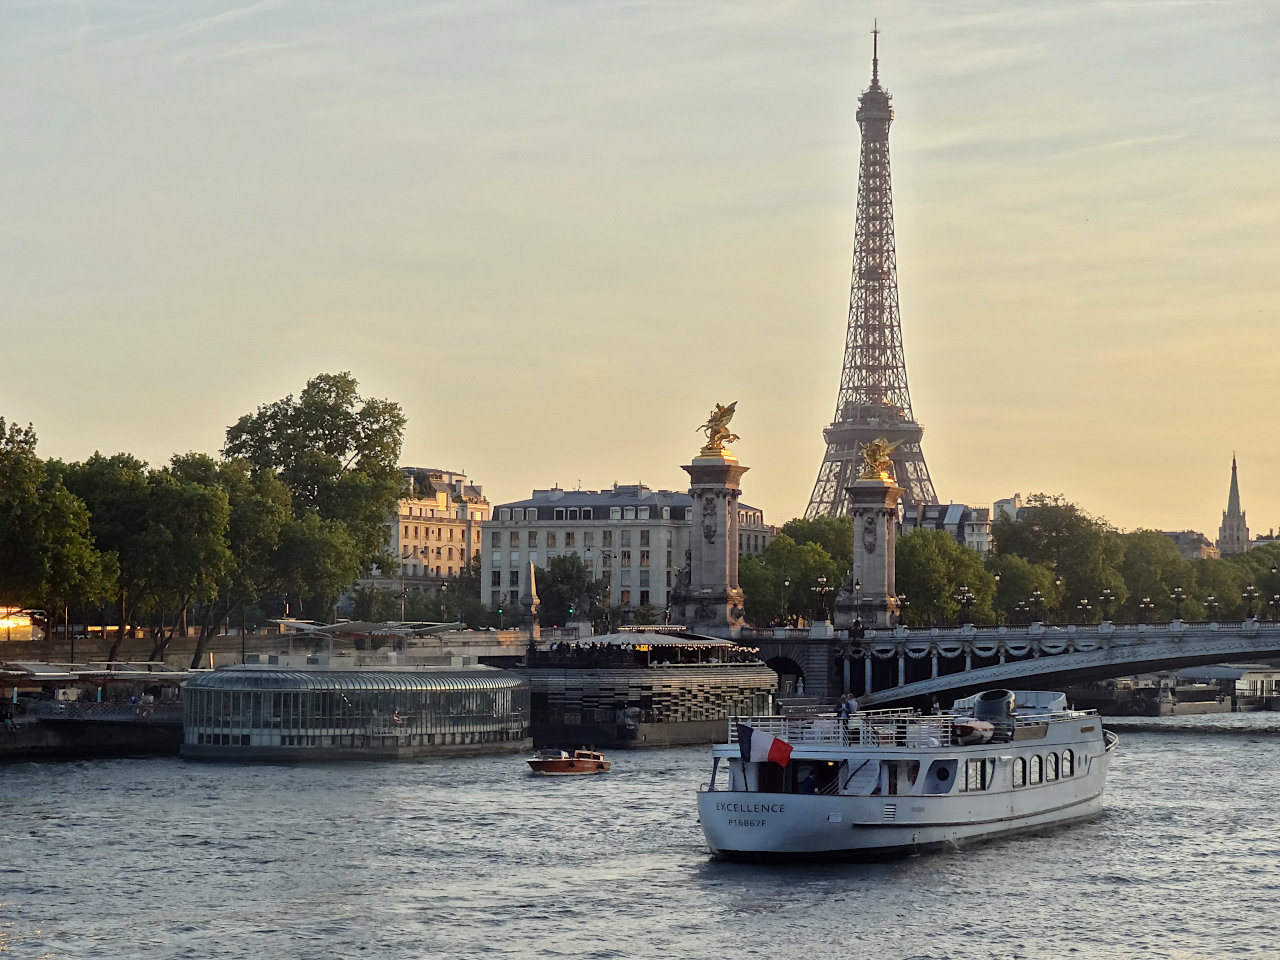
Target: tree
{"x": 258, "y": 510}
{"x": 833, "y": 534}
{"x": 338, "y": 454}
{"x": 779, "y": 582}
{"x": 186, "y": 539}
{"x": 1019, "y": 581}
{"x": 932, "y": 568}
{"x": 1152, "y": 567}
{"x": 117, "y": 494}
{"x": 562, "y": 587}
{"x": 47, "y": 556}
{"x": 1085, "y": 552}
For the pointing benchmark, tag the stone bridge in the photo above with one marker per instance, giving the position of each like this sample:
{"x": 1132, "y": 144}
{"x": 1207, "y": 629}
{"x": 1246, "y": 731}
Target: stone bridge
{"x": 892, "y": 667}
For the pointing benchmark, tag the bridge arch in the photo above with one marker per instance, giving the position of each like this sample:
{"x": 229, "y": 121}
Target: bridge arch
{"x": 790, "y": 675}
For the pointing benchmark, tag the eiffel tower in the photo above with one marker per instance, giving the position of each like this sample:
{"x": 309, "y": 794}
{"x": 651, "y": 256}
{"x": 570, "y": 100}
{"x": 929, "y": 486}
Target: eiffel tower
{"x": 873, "y": 400}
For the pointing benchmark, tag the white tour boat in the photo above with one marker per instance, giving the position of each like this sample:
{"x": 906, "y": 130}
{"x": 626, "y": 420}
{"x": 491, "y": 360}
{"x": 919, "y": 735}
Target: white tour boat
{"x": 891, "y": 782}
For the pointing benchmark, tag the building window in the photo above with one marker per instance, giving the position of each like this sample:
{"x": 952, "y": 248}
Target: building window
{"x": 668, "y": 538}
{"x": 588, "y": 538}
{"x": 626, "y": 538}
{"x": 625, "y": 597}
{"x": 644, "y": 598}
{"x": 644, "y": 578}
{"x": 644, "y": 558}
{"x": 533, "y": 538}
{"x": 1068, "y": 764}
{"x": 513, "y": 578}
{"x": 606, "y": 538}
{"x": 668, "y": 558}
{"x": 1051, "y": 767}
{"x": 644, "y": 538}
{"x": 643, "y": 513}
{"x": 615, "y": 513}
{"x": 573, "y": 513}
{"x": 558, "y": 513}
{"x": 504, "y": 514}
{"x": 586, "y": 513}
{"x": 495, "y": 578}
{"x": 495, "y": 539}
{"x": 496, "y": 560}
{"x": 551, "y": 538}
{"x": 668, "y": 579}
{"x": 628, "y": 513}
{"x": 568, "y": 538}
{"x": 514, "y": 539}
{"x": 666, "y": 513}
{"x": 1035, "y": 771}
{"x": 626, "y": 558}
{"x": 451, "y": 533}
{"x": 1019, "y": 772}
{"x": 406, "y": 531}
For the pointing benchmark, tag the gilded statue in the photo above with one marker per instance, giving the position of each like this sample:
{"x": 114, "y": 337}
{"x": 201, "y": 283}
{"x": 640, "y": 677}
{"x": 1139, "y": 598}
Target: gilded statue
{"x": 717, "y": 428}
{"x": 875, "y": 459}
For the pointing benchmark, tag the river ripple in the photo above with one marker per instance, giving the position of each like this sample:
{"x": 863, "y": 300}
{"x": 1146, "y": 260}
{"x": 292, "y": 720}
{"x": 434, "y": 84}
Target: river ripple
{"x": 474, "y": 858}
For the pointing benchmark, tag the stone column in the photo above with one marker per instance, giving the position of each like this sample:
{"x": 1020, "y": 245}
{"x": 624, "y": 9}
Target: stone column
{"x": 529, "y": 606}
{"x": 874, "y": 508}
{"x": 712, "y": 601}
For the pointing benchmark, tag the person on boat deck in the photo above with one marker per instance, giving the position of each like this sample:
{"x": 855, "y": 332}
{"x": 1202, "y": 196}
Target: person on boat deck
{"x": 807, "y": 785}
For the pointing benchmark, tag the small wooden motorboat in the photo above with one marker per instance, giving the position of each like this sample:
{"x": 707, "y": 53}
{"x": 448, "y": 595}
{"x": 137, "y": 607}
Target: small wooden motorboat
{"x": 559, "y": 763}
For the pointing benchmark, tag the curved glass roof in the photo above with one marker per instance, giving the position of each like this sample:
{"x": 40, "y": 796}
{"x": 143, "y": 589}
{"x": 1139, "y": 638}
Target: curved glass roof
{"x": 356, "y": 680}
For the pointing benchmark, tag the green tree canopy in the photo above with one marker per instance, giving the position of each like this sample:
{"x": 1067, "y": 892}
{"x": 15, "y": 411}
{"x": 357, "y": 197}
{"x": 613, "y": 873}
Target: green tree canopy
{"x": 779, "y": 582}
{"x": 563, "y": 585}
{"x": 338, "y": 453}
{"x": 47, "y": 555}
{"x": 1084, "y": 551}
{"x": 833, "y": 534}
{"x": 931, "y": 570}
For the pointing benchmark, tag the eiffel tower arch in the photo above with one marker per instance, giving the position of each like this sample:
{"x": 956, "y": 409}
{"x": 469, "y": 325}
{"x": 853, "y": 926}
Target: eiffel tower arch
{"x": 874, "y": 400}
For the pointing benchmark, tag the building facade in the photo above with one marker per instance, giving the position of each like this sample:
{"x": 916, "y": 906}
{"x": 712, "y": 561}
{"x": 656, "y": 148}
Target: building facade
{"x": 1192, "y": 544}
{"x": 971, "y": 526}
{"x": 438, "y": 526}
{"x": 631, "y": 537}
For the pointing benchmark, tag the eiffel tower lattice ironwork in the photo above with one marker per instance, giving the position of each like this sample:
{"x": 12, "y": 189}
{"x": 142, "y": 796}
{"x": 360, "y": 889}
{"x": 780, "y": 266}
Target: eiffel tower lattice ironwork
{"x": 874, "y": 400}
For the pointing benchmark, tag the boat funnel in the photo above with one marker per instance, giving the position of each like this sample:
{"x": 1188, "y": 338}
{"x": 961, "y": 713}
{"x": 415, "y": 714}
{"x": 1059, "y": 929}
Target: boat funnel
{"x": 993, "y": 705}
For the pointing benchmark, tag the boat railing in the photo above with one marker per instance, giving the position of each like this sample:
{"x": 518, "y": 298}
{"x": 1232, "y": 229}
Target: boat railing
{"x": 884, "y": 728}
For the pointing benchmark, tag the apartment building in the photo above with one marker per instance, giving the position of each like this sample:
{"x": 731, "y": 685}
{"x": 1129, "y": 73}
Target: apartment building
{"x": 631, "y": 537}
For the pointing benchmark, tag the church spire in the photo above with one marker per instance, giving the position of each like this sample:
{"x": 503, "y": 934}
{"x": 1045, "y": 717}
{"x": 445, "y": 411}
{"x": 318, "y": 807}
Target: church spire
{"x": 1233, "y": 497}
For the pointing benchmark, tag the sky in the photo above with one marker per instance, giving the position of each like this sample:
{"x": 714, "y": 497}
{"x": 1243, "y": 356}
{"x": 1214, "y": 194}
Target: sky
{"x": 558, "y": 232}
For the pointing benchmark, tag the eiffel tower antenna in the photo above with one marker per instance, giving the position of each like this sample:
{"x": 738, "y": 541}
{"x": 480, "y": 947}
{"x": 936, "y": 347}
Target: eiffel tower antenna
{"x": 874, "y": 400}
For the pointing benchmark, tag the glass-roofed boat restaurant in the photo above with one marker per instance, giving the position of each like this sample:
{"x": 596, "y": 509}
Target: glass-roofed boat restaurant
{"x": 327, "y": 710}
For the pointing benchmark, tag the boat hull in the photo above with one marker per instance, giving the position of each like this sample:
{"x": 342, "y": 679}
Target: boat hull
{"x": 764, "y": 827}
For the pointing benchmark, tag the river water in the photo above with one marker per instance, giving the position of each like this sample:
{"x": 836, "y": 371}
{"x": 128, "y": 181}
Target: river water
{"x": 163, "y": 858}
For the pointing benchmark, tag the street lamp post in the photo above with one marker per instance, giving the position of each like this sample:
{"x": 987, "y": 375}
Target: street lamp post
{"x": 1146, "y": 605}
{"x": 786, "y": 602}
{"x": 1250, "y": 597}
{"x": 1211, "y": 605}
{"x": 964, "y": 596}
{"x": 996, "y": 598}
{"x": 1057, "y": 582}
{"x": 1036, "y": 604}
{"x": 902, "y": 608}
{"x": 1105, "y": 600}
{"x": 857, "y": 591}
{"x": 1084, "y": 608}
{"x": 1021, "y": 610}
{"x": 1177, "y": 597}
{"x": 821, "y": 590}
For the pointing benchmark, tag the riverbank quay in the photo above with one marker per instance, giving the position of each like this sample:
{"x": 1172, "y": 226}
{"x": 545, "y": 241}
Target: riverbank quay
{"x": 70, "y": 711}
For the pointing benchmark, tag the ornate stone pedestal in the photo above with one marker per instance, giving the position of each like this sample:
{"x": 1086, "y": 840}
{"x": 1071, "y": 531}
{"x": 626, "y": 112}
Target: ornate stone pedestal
{"x": 710, "y": 600}
{"x": 874, "y": 508}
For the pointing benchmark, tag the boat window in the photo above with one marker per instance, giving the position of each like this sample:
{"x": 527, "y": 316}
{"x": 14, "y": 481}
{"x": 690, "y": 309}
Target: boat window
{"x": 1019, "y": 772}
{"x": 1051, "y": 767}
{"x": 977, "y": 774}
{"x": 1036, "y": 770}
{"x": 1068, "y": 764}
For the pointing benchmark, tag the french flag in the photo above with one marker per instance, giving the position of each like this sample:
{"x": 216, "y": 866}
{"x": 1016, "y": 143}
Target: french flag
{"x": 758, "y": 746}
